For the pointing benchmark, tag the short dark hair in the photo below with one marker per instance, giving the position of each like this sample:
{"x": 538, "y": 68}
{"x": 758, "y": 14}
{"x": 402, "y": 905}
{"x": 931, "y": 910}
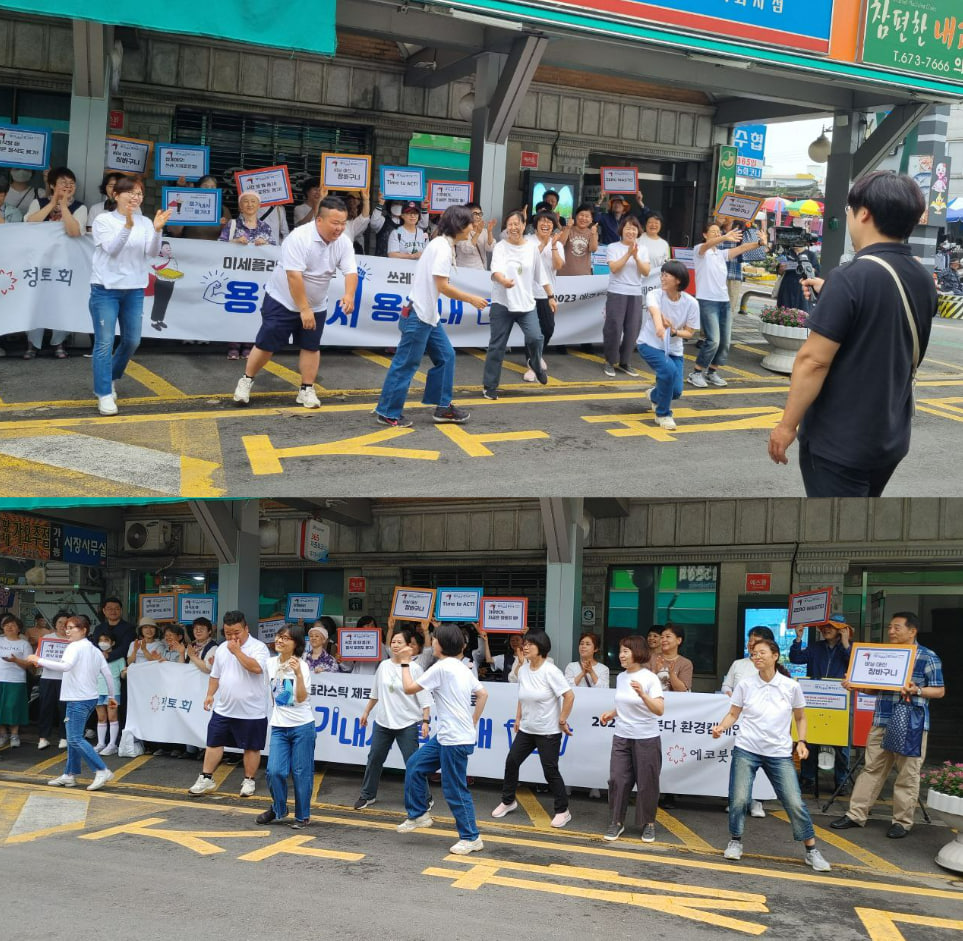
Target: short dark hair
{"x": 416, "y": 637}
{"x": 592, "y": 636}
{"x": 449, "y": 636}
{"x": 296, "y": 633}
{"x": 911, "y": 618}
{"x": 585, "y": 207}
{"x": 366, "y": 620}
{"x": 407, "y": 632}
{"x": 676, "y": 269}
{"x": 635, "y": 644}
{"x": 234, "y": 617}
{"x": 676, "y": 629}
{"x": 473, "y": 206}
{"x": 541, "y": 640}
{"x": 515, "y": 213}
{"x": 542, "y": 207}
{"x": 310, "y": 183}
{"x": 548, "y": 193}
{"x": 629, "y": 219}
{"x": 207, "y": 176}
{"x": 545, "y": 215}
{"x": 7, "y": 618}
{"x": 329, "y": 624}
{"x": 654, "y": 214}
{"x": 206, "y": 622}
{"x": 763, "y": 633}
{"x": 128, "y": 184}
{"x": 60, "y": 614}
{"x": 112, "y": 176}
{"x": 454, "y": 220}
{"x": 773, "y": 647}
{"x": 709, "y": 224}
{"x": 113, "y": 599}
{"x": 176, "y": 628}
{"x": 893, "y": 200}
{"x": 58, "y": 172}
{"x": 335, "y": 203}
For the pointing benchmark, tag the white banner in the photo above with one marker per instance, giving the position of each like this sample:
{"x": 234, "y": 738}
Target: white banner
{"x": 217, "y": 289}
{"x": 166, "y": 704}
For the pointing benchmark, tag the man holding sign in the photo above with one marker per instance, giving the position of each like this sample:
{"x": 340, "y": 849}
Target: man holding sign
{"x": 925, "y": 683}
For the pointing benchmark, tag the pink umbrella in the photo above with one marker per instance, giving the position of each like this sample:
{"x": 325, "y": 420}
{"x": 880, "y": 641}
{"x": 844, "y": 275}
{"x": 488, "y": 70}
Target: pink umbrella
{"x": 777, "y": 205}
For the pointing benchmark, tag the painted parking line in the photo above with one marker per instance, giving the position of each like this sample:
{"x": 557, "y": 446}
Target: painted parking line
{"x": 385, "y": 362}
{"x": 475, "y": 445}
{"x": 536, "y": 812}
{"x": 47, "y": 763}
{"x": 295, "y": 846}
{"x": 130, "y": 766}
{"x": 157, "y": 384}
{"x": 678, "y": 829}
{"x": 197, "y": 841}
{"x": 318, "y": 781}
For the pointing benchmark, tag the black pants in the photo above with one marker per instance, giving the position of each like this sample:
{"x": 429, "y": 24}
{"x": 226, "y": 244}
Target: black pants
{"x": 162, "y": 297}
{"x": 546, "y": 320}
{"x": 548, "y": 747}
{"x": 52, "y": 710}
{"x": 824, "y": 478}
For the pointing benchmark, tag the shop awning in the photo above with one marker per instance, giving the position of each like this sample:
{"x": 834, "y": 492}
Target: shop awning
{"x": 298, "y": 27}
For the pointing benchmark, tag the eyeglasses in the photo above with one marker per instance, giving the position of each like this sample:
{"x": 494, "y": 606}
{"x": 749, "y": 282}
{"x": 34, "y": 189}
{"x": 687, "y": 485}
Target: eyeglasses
{"x": 478, "y": 214}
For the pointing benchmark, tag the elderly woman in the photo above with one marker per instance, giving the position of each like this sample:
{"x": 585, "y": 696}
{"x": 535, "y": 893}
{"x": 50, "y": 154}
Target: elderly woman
{"x": 316, "y": 653}
{"x": 14, "y": 651}
{"x": 587, "y": 671}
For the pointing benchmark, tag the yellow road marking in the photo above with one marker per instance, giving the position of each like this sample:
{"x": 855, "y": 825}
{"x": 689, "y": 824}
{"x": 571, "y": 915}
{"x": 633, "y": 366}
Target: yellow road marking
{"x": 11, "y": 803}
{"x": 222, "y": 771}
{"x": 474, "y": 444}
{"x": 157, "y": 384}
{"x": 60, "y": 482}
{"x": 643, "y": 424}
{"x": 48, "y": 763}
{"x": 512, "y": 367}
{"x": 847, "y": 846}
{"x": 536, "y": 813}
{"x": 590, "y": 357}
{"x": 678, "y": 829}
{"x": 48, "y": 831}
{"x": 385, "y": 361}
{"x": 189, "y": 839}
{"x": 881, "y": 925}
{"x": 291, "y": 376}
{"x": 294, "y": 846}
{"x": 130, "y": 766}
{"x": 318, "y": 779}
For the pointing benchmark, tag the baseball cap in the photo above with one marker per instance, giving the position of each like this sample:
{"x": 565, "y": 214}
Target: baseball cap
{"x": 619, "y": 197}
{"x": 838, "y": 619}
{"x": 411, "y": 207}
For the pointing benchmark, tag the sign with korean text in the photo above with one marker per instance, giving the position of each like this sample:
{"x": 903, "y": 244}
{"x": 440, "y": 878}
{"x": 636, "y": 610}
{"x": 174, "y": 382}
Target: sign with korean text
{"x": 504, "y": 615}
{"x": 52, "y": 648}
{"x": 191, "y": 606}
{"x": 159, "y": 607}
{"x": 314, "y": 541}
{"x": 810, "y": 607}
{"x": 181, "y": 161}
{"x": 272, "y": 184}
{"x": 304, "y": 607}
{"x": 346, "y": 171}
{"x": 24, "y": 147}
{"x": 922, "y": 38}
{"x": 445, "y": 193}
{"x": 726, "y": 171}
{"x": 192, "y": 206}
{"x": 29, "y": 537}
{"x": 458, "y": 604}
{"x": 403, "y": 183}
{"x": 413, "y": 604}
{"x": 881, "y": 666}
{"x": 750, "y": 143}
{"x": 620, "y": 180}
{"x": 758, "y": 581}
{"x": 529, "y": 160}
{"x": 734, "y": 206}
{"x": 359, "y": 643}
{"x": 128, "y": 155}
{"x": 827, "y": 712}
{"x": 268, "y": 629}
{"x": 357, "y": 584}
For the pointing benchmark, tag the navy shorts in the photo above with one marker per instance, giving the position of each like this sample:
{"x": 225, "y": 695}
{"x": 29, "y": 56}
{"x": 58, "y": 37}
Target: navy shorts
{"x": 246, "y": 734}
{"x": 279, "y": 326}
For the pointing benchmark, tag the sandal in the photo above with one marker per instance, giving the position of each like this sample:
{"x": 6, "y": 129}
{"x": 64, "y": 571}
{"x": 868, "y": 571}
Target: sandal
{"x": 60, "y": 352}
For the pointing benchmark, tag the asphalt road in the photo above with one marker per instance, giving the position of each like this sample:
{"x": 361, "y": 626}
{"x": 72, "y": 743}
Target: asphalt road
{"x": 179, "y": 434}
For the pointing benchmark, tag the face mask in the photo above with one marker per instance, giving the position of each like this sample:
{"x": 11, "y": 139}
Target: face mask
{"x": 21, "y": 176}
{"x": 396, "y": 212}
{"x": 104, "y": 645}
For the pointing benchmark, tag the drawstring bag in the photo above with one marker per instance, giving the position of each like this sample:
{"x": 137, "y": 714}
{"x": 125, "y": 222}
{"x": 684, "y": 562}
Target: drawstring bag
{"x": 904, "y": 731}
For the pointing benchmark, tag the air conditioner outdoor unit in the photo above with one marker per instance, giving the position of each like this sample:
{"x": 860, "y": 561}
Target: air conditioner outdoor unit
{"x": 147, "y": 536}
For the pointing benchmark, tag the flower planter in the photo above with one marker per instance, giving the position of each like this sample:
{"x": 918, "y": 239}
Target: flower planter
{"x": 785, "y": 342}
{"x": 950, "y": 810}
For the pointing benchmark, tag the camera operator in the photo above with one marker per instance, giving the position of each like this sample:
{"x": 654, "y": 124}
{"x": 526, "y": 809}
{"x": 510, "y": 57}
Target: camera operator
{"x": 950, "y": 281}
{"x": 797, "y": 262}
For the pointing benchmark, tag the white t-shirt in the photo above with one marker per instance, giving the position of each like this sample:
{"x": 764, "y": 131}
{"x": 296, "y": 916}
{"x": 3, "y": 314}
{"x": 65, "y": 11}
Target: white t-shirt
{"x": 11, "y": 672}
{"x": 539, "y": 694}
{"x": 740, "y": 670}
{"x": 766, "y": 716}
{"x": 552, "y": 248}
{"x": 304, "y": 250}
{"x": 301, "y": 211}
{"x": 627, "y": 280}
{"x": 659, "y": 252}
{"x": 241, "y": 694}
{"x": 128, "y": 268}
{"x": 633, "y": 718}
{"x": 288, "y": 713}
{"x": 408, "y": 243}
{"x": 710, "y": 274}
{"x": 451, "y": 684}
{"x": 437, "y": 260}
{"x": 523, "y": 265}
{"x": 683, "y": 312}
{"x": 601, "y": 671}
{"x": 80, "y": 214}
{"x": 154, "y": 646}
{"x": 82, "y": 663}
{"x": 396, "y": 709}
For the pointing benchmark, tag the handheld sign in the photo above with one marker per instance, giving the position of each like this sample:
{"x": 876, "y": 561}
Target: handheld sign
{"x": 459, "y": 604}
{"x": 191, "y": 606}
{"x": 181, "y": 161}
{"x": 158, "y": 607}
{"x": 413, "y": 604}
{"x": 403, "y": 183}
{"x": 272, "y": 184}
{"x": 52, "y": 648}
{"x": 735, "y": 206}
{"x": 192, "y": 206}
{"x": 827, "y": 712}
{"x": 304, "y": 607}
{"x": 362, "y": 644}
{"x": 346, "y": 171}
{"x": 127, "y": 155}
{"x": 504, "y": 615}
{"x": 445, "y": 193}
{"x": 25, "y": 148}
{"x": 810, "y": 607}
{"x": 268, "y": 630}
{"x": 881, "y": 666}
{"x": 623, "y": 180}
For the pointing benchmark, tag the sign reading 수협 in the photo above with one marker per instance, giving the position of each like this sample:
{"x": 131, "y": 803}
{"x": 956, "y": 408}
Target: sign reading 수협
{"x": 191, "y": 606}
{"x": 810, "y": 607}
{"x": 304, "y": 607}
{"x": 359, "y": 643}
{"x": 181, "y": 161}
{"x": 445, "y": 193}
{"x": 158, "y": 607}
{"x": 413, "y": 604}
{"x": 504, "y": 615}
{"x": 267, "y": 630}
{"x": 192, "y": 206}
{"x": 403, "y": 183}
{"x": 734, "y": 206}
{"x": 458, "y": 604}
{"x": 750, "y": 142}
{"x": 346, "y": 171}
{"x": 127, "y": 154}
{"x": 620, "y": 180}
{"x": 24, "y": 147}
{"x": 272, "y": 184}
{"x": 52, "y": 648}
{"x": 881, "y": 666}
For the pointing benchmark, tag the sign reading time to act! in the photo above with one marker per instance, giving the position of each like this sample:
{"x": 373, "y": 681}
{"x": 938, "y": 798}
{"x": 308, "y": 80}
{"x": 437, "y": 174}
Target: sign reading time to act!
{"x": 923, "y": 37}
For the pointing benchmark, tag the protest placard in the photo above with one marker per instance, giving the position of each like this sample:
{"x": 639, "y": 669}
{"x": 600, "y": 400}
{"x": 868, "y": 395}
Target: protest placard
{"x": 403, "y": 183}
{"x": 361, "y": 644}
{"x": 181, "y": 161}
{"x": 190, "y": 606}
{"x": 445, "y": 193}
{"x": 736, "y": 206}
{"x": 159, "y": 607}
{"x": 346, "y": 171}
{"x": 24, "y": 148}
{"x": 504, "y": 615}
{"x": 624, "y": 180}
{"x": 272, "y": 184}
{"x": 52, "y": 648}
{"x": 413, "y": 604}
{"x": 458, "y": 604}
{"x": 128, "y": 155}
{"x": 268, "y": 629}
{"x": 810, "y": 607}
{"x": 304, "y": 607}
{"x": 881, "y": 666}
{"x": 192, "y": 206}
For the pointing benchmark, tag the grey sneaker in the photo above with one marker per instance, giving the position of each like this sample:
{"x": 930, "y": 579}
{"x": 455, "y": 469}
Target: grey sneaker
{"x": 363, "y": 802}
{"x": 733, "y": 850}
{"x": 628, "y": 370}
{"x": 648, "y": 833}
{"x": 415, "y": 823}
{"x": 450, "y": 414}
{"x": 714, "y": 379}
{"x": 698, "y": 380}
{"x": 242, "y": 391}
{"x": 613, "y": 832}
{"x": 609, "y": 370}
{"x": 816, "y": 859}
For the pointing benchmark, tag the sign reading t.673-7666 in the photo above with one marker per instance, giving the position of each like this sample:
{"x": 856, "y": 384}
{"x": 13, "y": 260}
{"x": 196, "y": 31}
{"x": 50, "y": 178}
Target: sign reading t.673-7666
{"x": 924, "y": 37}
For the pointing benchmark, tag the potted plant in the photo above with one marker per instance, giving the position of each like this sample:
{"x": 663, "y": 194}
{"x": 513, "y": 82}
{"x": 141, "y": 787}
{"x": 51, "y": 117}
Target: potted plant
{"x": 945, "y": 799}
{"x": 785, "y": 330}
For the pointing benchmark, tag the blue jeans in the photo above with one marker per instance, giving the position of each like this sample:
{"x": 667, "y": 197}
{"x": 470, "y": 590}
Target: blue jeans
{"x": 502, "y": 320}
{"x": 668, "y": 377}
{"x": 717, "y": 326}
{"x": 418, "y": 338}
{"x": 78, "y": 747}
{"x": 381, "y": 742}
{"x": 292, "y": 753}
{"x": 453, "y": 762}
{"x": 782, "y": 775}
{"x": 107, "y": 308}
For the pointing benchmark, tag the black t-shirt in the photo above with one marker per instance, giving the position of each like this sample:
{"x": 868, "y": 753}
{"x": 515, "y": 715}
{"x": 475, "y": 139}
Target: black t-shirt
{"x": 122, "y": 634}
{"x": 861, "y": 417}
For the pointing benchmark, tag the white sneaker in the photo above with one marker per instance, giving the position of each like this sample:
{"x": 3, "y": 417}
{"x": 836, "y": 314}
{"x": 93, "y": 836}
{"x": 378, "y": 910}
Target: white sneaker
{"x": 42, "y": 744}
{"x": 106, "y": 405}
{"x": 111, "y": 749}
{"x": 816, "y": 859}
{"x": 247, "y": 787}
{"x": 309, "y": 398}
{"x": 529, "y": 376}
{"x": 464, "y": 847}
{"x": 714, "y": 379}
{"x": 503, "y": 809}
{"x": 415, "y": 823}
{"x": 65, "y": 780}
{"x": 647, "y": 404}
{"x": 202, "y": 785}
{"x": 559, "y": 820}
{"x": 698, "y": 380}
{"x": 733, "y": 850}
{"x": 242, "y": 391}
{"x": 100, "y": 779}
{"x": 756, "y": 809}
{"x": 14, "y": 741}
{"x": 99, "y": 748}
{"x": 62, "y": 744}
{"x": 666, "y": 422}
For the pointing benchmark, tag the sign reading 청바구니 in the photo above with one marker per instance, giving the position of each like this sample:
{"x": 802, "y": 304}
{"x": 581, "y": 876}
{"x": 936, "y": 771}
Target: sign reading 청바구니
{"x": 922, "y": 37}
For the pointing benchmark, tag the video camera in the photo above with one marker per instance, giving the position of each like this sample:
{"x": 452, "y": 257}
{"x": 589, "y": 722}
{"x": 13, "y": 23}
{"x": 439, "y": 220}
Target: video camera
{"x": 793, "y": 236}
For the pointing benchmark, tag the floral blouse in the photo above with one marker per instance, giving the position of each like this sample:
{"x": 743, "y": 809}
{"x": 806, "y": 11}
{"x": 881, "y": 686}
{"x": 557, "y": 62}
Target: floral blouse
{"x": 261, "y": 231}
{"x": 323, "y": 663}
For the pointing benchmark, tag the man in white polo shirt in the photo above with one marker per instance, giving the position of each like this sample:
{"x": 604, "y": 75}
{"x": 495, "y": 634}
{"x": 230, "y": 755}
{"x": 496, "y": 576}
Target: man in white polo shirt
{"x": 296, "y": 298}
{"x": 238, "y": 692}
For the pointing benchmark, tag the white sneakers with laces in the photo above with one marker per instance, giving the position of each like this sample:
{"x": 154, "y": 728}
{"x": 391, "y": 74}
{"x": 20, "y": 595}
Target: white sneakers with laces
{"x": 503, "y": 809}
{"x": 308, "y": 397}
{"x": 100, "y": 779}
{"x": 242, "y": 391}
{"x": 247, "y": 787}
{"x": 415, "y": 823}
{"x": 65, "y": 780}
{"x": 464, "y": 847}
{"x": 106, "y": 405}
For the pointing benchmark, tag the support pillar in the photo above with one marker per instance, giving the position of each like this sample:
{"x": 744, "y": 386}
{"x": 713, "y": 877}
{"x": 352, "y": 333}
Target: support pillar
{"x": 562, "y": 519}
{"x": 839, "y": 173}
{"x": 930, "y": 139}
{"x": 89, "y": 104}
{"x": 488, "y": 158}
